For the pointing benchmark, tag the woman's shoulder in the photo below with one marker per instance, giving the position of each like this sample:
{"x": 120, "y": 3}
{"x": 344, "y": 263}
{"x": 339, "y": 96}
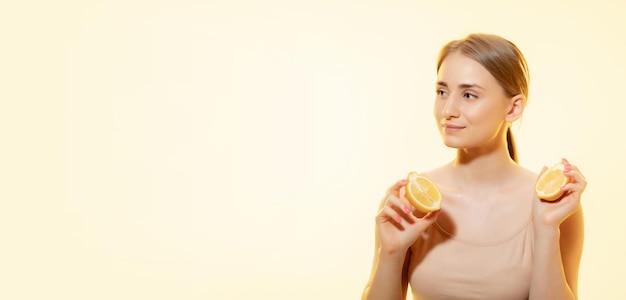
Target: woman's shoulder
{"x": 440, "y": 171}
{"x": 439, "y": 174}
{"x": 527, "y": 174}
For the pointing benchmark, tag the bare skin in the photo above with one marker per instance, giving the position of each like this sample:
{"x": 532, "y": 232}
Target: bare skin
{"x": 473, "y": 114}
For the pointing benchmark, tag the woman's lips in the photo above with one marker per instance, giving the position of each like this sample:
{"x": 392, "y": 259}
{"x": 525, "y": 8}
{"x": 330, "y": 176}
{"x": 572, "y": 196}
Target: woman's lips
{"x": 452, "y": 128}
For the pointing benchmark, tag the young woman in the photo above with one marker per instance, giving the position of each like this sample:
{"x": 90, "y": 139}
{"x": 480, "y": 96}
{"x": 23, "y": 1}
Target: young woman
{"x": 493, "y": 238}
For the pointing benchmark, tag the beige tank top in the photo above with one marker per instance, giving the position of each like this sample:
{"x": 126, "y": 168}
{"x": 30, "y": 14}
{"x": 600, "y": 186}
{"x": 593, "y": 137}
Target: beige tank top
{"x": 444, "y": 267}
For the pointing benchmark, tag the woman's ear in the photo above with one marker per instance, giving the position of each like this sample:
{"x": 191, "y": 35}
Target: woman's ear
{"x": 516, "y": 108}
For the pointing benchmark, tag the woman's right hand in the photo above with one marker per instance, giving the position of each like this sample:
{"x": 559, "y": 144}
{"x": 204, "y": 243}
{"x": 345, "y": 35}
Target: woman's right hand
{"x": 398, "y": 225}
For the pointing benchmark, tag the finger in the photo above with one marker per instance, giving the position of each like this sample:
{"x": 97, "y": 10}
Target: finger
{"x": 570, "y": 166}
{"x": 427, "y": 220}
{"x": 398, "y": 204}
{"x": 575, "y": 176}
{"x": 390, "y": 215}
{"x": 402, "y": 207}
{"x": 405, "y": 199}
{"x": 542, "y": 171}
{"x": 432, "y": 215}
{"x": 574, "y": 189}
{"x": 409, "y": 206}
{"x": 567, "y": 164}
{"x": 393, "y": 190}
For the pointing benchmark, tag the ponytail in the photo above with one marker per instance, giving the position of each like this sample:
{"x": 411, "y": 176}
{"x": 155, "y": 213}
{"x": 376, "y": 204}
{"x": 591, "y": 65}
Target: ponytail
{"x": 510, "y": 144}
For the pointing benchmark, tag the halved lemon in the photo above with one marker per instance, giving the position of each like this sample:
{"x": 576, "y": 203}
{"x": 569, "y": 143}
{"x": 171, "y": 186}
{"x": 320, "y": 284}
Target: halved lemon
{"x": 548, "y": 186}
{"x": 422, "y": 193}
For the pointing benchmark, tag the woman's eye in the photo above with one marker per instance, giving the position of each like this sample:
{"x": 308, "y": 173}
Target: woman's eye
{"x": 441, "y": 93}
{"x": 469, "y": 96}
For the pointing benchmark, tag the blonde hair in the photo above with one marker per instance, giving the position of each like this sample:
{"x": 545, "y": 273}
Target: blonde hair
{"x": 502, "y": 59}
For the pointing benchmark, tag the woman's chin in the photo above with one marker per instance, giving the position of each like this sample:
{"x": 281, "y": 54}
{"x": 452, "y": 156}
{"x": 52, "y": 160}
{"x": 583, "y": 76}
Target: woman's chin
{"x": 453, "y": 144}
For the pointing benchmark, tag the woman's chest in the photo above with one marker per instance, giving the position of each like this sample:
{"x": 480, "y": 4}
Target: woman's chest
{"x": 444, "y": 268}
{"x": 485, "y": 219}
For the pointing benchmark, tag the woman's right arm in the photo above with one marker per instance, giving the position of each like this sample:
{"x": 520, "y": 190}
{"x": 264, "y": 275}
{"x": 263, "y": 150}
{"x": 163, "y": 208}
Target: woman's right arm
{"x": 397, "y": 228}
{"x": 389, "y": 278}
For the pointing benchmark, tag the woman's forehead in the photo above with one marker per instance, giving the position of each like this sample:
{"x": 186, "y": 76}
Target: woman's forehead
{"x": 460, "y": 70}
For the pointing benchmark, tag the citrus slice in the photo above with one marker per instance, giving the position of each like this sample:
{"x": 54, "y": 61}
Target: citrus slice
{"x": 549, "y": 185}
{"x": 422, "y": 193}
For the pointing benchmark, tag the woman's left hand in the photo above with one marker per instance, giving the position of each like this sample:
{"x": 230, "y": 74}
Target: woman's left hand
{"x": 550, "y": 214}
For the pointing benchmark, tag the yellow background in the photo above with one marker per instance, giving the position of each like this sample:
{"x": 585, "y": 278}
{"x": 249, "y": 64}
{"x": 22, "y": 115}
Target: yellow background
{"x": 239, "y": 149}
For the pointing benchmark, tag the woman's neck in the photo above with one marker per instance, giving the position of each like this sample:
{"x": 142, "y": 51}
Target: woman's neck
{"x": 480, "y": 168}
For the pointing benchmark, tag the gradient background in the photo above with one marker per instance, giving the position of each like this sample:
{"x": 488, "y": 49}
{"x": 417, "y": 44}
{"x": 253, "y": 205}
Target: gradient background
{"x": 239, "y": 149}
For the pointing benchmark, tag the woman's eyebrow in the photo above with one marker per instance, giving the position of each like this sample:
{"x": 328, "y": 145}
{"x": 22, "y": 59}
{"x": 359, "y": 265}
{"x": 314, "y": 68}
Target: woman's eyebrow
{"x": 470, "y": 85}
{"x": 462, "y": 85}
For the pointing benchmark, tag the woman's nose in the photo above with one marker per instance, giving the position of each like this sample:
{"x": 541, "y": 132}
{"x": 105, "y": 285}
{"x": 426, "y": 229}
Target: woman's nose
{"x": 450, "y": 108}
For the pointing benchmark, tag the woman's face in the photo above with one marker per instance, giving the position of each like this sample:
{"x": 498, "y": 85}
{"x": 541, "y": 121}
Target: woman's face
{"x": 471, "y": 106}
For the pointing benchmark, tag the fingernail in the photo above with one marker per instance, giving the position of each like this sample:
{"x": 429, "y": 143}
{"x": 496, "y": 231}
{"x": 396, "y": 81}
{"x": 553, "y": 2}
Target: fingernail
{"x": 565, "y": 161}
{"x": 407, "y": 209}
{"x": 562, "y": 187}
{"x": 398, "y": 219}
{"x": 567, "y": 171}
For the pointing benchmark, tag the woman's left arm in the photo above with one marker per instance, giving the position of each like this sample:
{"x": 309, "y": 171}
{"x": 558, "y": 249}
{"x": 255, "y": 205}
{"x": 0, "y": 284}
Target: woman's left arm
{"x": 558, "y": 241}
